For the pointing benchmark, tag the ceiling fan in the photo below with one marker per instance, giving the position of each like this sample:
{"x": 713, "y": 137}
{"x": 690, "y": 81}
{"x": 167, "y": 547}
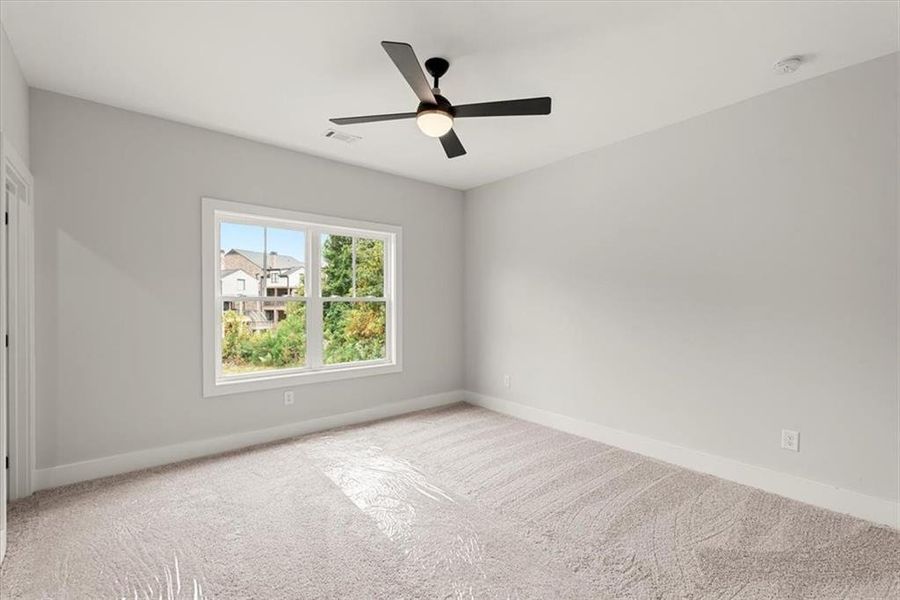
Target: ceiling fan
{"x": 435, "y": 114}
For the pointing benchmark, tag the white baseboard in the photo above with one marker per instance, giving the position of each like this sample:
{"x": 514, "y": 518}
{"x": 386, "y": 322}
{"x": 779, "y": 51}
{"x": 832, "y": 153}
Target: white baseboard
{"x": 877, "y": 510}
{"x": 841, "y": 500}
{"x": 154, "y": 457}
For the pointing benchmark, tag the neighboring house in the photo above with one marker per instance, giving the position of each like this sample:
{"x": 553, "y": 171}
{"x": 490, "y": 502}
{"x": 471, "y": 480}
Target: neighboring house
{"x": 252, "y": 262}
{"x": 285, "y": 282}
{"x": 238, "y": 282}
{"x": 248, "y": 273}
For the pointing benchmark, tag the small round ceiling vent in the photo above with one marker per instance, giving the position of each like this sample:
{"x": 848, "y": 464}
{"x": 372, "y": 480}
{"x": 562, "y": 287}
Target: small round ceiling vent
{"x": 788, "y": 65}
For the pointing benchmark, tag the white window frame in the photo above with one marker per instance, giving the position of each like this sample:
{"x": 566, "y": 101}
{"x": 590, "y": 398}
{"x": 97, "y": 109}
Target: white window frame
{"x": 215, "y": 211}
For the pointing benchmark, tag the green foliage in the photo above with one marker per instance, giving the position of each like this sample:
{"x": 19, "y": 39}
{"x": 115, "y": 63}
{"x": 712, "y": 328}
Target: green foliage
{"x": 353, "y": 331}
{"x": 280, "y": 347}
{"x": 289, "y": 337}
{"x": 369, "y": 268}
{"x": 235, "y": 332}
{"x": 337, "y": 270}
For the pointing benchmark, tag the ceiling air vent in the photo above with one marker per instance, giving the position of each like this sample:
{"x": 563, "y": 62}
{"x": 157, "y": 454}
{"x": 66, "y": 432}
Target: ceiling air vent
{"x": 341, "y": 136}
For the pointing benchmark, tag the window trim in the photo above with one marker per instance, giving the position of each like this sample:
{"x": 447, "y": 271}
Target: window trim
{"x": 213, "y": 212}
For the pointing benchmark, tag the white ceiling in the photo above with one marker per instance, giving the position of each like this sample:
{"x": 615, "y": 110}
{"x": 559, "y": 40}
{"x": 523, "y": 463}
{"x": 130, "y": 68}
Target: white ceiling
{"x": 276, "y": 72}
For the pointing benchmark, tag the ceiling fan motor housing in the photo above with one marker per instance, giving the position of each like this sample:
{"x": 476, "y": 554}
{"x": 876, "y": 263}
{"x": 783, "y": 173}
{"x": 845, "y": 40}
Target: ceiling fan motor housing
{"x": 442, "y": 104}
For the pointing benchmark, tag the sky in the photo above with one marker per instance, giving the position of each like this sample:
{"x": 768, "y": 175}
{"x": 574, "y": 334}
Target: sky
{"x": 250, "y": 237}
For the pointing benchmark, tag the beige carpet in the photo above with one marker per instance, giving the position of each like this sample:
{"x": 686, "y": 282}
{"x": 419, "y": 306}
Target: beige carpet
{"x": 451, "y": 503}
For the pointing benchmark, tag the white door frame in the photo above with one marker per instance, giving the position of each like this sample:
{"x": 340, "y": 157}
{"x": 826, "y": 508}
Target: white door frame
{"x": 3, "y": 372}
{"x": 19, "y": 234}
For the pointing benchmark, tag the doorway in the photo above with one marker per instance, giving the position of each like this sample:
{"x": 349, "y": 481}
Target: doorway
{"x": 16, "y": 330}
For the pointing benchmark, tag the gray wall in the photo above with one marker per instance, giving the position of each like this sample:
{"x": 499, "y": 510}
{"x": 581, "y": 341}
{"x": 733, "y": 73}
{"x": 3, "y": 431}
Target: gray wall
{"x": 118, "y": 277}
{"x": 710, "y": 283}
{"x": 13, "y": 98}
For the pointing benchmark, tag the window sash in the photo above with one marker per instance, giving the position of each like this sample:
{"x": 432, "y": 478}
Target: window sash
{"x": 262, "y": 298}
{"x": 313, "y": 229}
{"x": 353, "y": 299}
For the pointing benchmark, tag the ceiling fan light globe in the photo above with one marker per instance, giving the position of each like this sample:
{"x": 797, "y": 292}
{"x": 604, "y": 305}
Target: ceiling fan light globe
{"x": 434, "y": 123}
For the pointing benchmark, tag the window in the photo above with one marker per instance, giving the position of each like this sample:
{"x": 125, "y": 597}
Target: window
{"x": 324, "y": 305}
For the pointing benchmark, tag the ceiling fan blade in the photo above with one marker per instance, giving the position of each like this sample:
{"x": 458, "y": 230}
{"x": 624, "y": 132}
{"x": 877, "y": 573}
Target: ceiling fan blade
{"x": 372, "y": 118}
{"x": 504, "y": 108}
{"x": 403, "y": 56}
{"x": 452, "y": 146}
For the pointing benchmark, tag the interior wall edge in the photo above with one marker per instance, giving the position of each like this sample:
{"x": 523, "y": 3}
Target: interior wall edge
{"x": 13, "y": 99}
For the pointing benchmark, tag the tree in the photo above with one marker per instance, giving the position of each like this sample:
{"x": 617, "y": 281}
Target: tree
{"x": 337, "y": 268}
{"x": 353, "y": 331}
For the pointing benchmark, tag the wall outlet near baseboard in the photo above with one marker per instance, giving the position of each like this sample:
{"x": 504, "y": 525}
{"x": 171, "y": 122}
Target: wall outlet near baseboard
{"x": 506, "y": 381}
{"x": 288, "y": 397}
{"x": 790, "y": 440}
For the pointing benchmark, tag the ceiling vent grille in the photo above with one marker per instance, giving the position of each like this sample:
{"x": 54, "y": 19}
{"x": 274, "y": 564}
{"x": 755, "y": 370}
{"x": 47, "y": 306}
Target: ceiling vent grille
{"x": 341, "y": 136}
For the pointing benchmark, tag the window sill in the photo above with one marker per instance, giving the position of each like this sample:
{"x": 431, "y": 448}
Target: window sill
{"x": 225, "y": 386}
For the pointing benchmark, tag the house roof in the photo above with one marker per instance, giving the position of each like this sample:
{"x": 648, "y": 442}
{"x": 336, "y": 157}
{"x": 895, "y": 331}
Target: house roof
{"x": 227, "y": 272}
{"x": 283, "y": 261}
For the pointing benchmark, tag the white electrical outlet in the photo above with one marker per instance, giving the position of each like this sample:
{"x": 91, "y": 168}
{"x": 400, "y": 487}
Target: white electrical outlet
{"x": 790, "y": 440}
{"x": 288, "y": 398}
{"x": 506, "y": 381}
